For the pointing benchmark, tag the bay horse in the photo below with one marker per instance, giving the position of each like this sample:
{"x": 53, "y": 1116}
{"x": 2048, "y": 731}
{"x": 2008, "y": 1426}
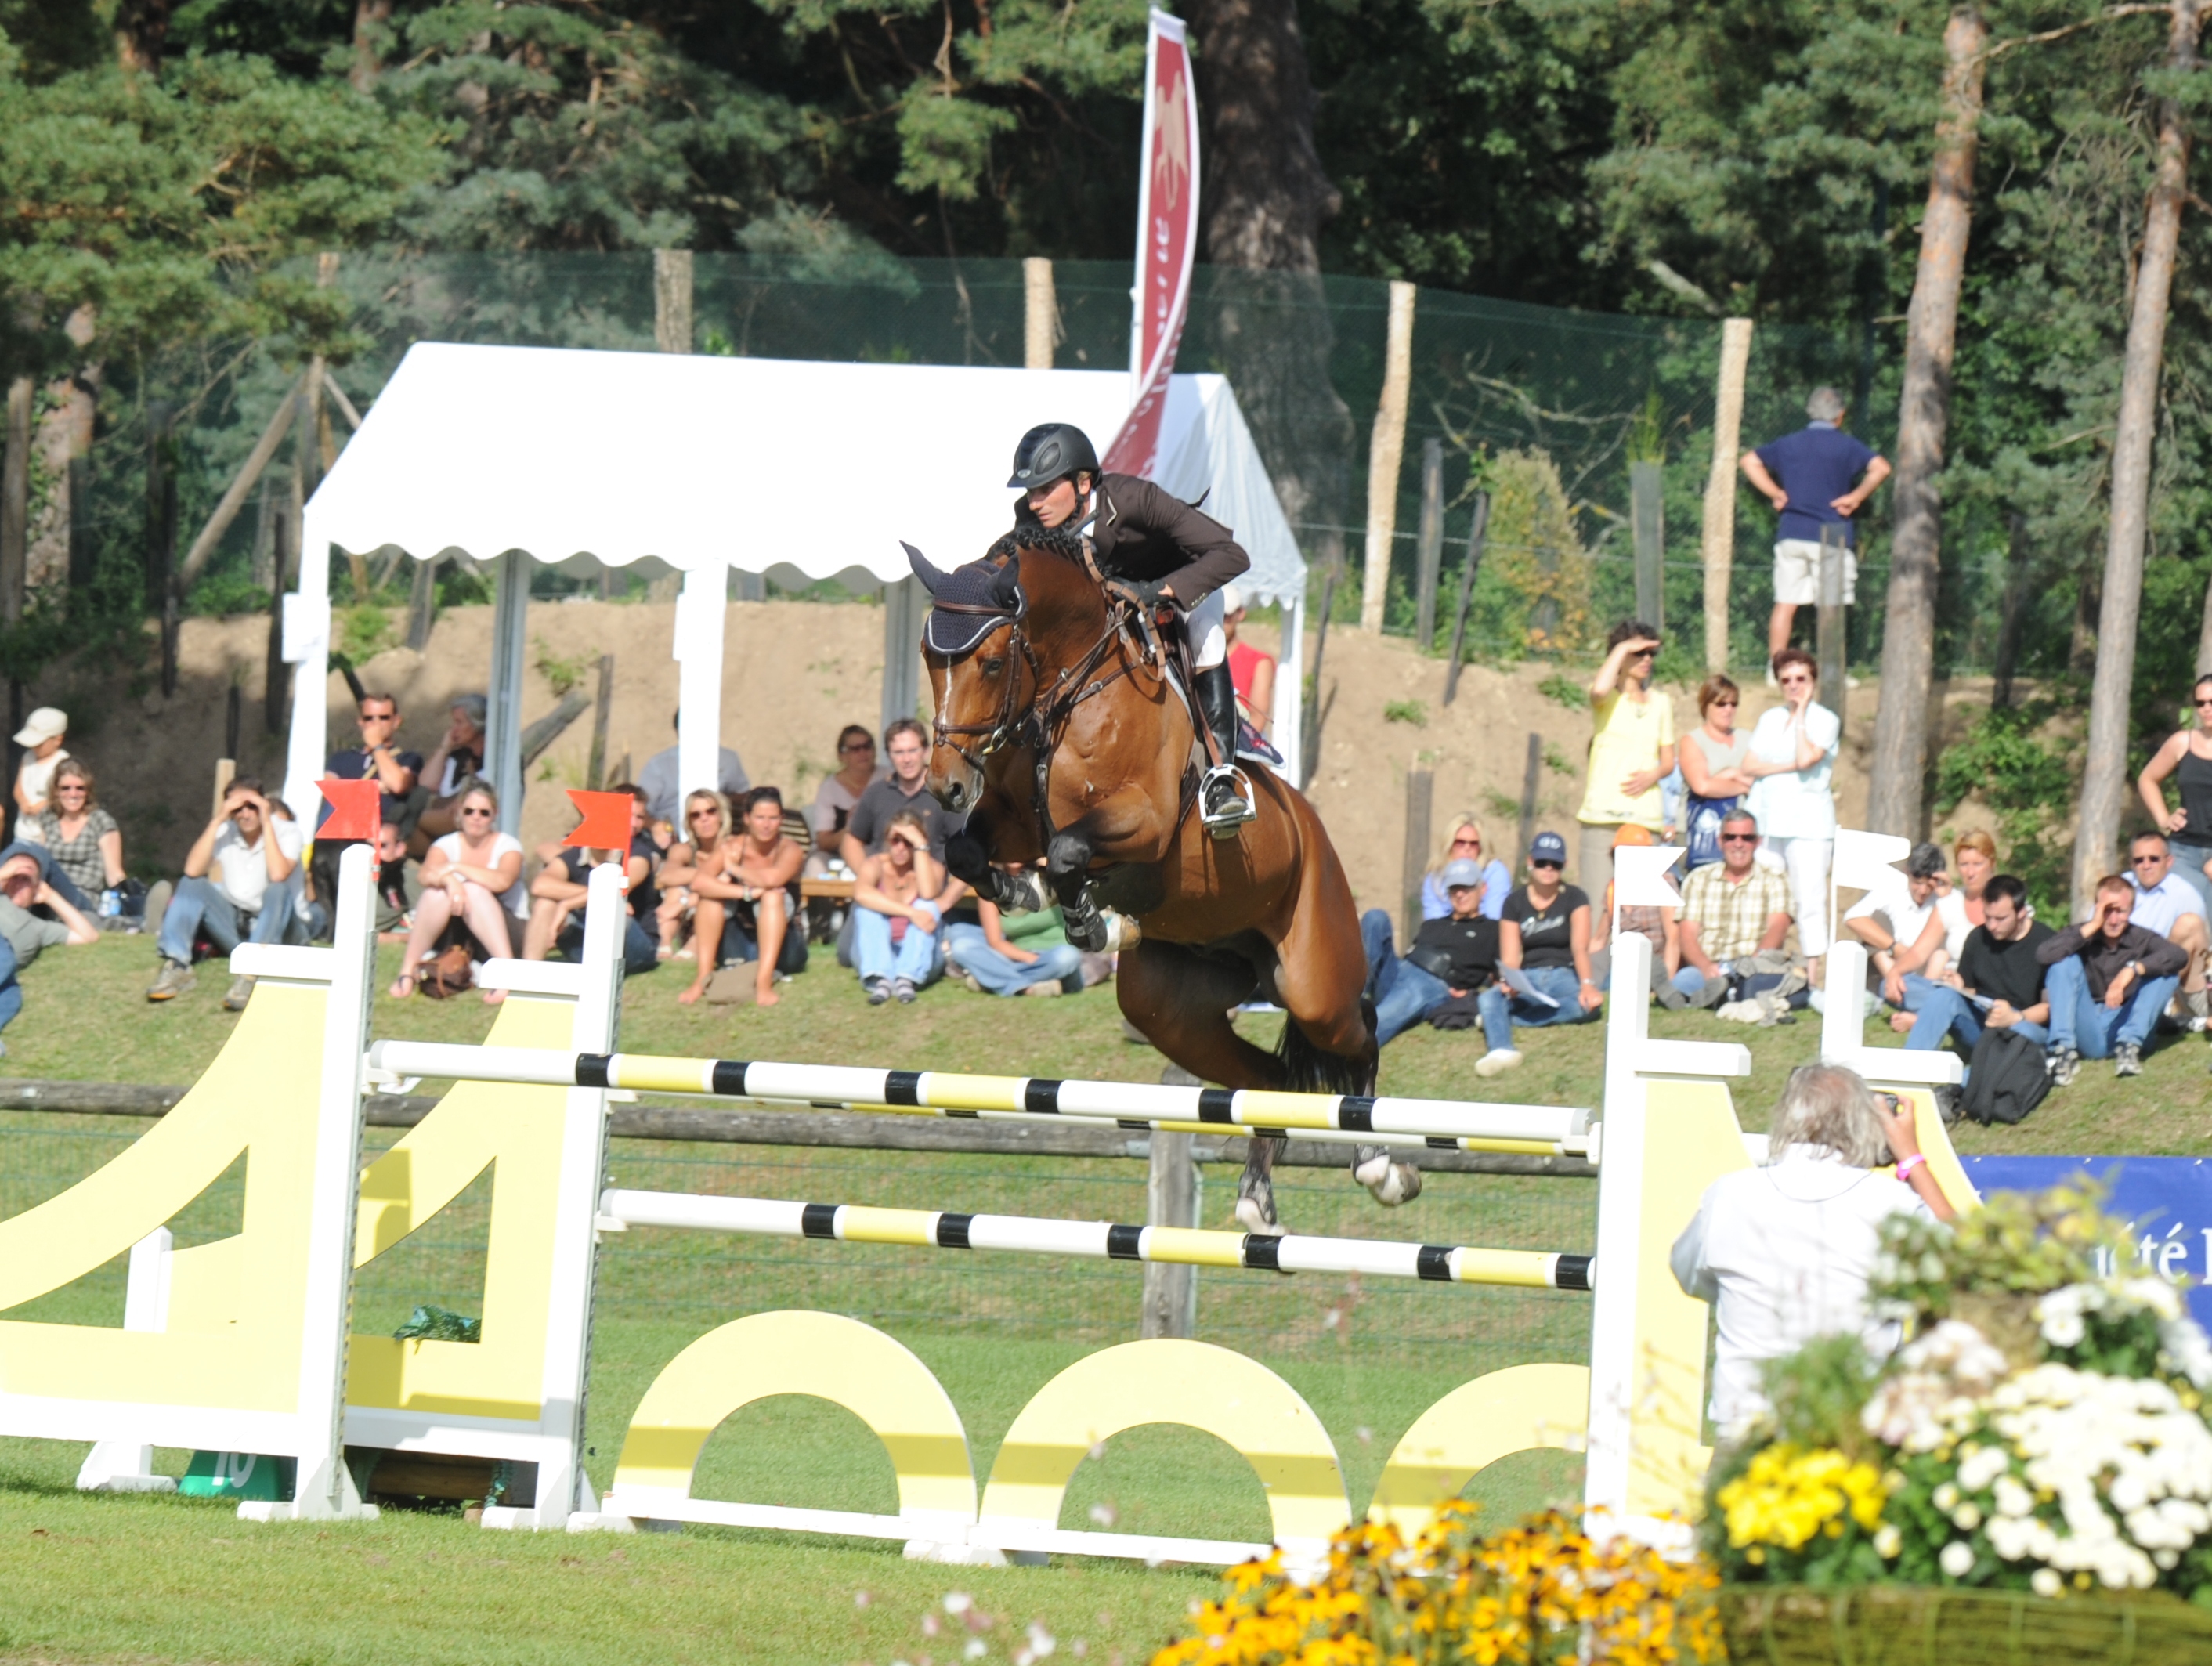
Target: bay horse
{"x": 1061, "y": 735}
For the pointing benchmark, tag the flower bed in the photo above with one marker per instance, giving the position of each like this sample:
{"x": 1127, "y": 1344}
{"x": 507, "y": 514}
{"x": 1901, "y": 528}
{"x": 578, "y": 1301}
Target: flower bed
{"x": 1799, "y": 1626}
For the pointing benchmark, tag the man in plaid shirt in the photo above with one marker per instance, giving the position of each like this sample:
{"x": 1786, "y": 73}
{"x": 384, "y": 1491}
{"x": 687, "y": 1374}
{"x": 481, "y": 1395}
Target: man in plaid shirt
{"x": 1730, "y": 909}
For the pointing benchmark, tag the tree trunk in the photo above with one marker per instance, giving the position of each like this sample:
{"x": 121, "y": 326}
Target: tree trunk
{"x": 142, "y": 32}
{"x": 1267, "y": 199}
{"x": 2104, "y": 784}
{"x": 2019, "y": 560}
{"x": 370, "y": 18}
{"x": 64, "y": 437}
{"x": 1908, "y": 644}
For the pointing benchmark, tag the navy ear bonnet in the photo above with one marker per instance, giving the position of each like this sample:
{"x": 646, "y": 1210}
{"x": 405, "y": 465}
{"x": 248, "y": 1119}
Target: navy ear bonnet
{"x": 972, "y": 601}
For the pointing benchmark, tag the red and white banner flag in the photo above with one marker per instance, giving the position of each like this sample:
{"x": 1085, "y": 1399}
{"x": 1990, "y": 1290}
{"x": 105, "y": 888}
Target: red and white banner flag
{"x": 1166, "y": 241}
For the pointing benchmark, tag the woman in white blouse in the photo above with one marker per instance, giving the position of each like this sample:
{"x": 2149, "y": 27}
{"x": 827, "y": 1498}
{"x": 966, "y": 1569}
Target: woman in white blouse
{"x": 1793, "y": 756}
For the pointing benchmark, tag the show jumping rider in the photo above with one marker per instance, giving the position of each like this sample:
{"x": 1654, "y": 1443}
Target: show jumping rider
{"x": 1152, "y": 547}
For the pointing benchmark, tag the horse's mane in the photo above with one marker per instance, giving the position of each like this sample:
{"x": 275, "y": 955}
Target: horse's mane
{"x": 1062, "y": 541}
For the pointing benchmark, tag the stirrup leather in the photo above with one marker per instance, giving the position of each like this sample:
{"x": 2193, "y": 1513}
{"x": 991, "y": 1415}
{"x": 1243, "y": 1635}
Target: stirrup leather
{"x": 1243, "y": 806}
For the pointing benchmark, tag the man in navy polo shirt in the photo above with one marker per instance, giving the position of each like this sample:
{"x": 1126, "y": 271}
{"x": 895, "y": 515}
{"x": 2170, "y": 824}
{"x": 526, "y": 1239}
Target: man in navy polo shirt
{"x": 1808, "y": 477}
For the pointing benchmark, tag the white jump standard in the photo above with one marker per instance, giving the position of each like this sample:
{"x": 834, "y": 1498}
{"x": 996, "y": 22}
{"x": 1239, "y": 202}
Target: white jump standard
{"x": 1100, "y": 1240}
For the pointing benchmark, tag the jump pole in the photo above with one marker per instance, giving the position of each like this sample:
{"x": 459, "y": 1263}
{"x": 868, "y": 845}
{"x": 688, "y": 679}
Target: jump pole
{"x": 1098, "y": 1240}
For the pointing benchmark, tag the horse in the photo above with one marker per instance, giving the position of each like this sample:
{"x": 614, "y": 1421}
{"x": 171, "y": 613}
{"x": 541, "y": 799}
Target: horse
{"x": 1060, "y": 734}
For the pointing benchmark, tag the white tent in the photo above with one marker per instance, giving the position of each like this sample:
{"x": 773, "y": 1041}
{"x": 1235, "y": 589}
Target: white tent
{"x": 800, "y": 470}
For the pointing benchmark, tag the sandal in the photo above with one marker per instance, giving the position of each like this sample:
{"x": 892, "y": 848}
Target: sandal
{"x": 402, "y": 987}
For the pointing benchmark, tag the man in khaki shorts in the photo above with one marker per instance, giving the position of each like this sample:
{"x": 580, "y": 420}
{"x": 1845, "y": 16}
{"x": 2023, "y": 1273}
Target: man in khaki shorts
{"x": 1808, "y": 477}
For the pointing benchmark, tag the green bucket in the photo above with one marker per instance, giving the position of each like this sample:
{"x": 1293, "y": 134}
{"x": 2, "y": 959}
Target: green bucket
{"x": 238, "y": 1476}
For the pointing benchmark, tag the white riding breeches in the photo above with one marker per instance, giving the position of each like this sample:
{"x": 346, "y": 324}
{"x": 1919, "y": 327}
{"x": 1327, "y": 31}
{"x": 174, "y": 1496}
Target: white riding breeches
{"x": 1209, "y": 641}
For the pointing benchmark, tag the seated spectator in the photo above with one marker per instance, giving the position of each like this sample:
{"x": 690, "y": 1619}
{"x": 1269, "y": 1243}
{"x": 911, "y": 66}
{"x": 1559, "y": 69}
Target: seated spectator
{"x": 1732, "y": 909}
{"x": 83, "y": 839}
{"x": 1451, "y": 963}
{"x": 1999, "y": 982}
{"x": 1001, "y": 954}
{"x": 706, "y": 825}
{"x": 1784, "y": 1252}
{"x": 749, "y": 902}
{"x": 1975, "y": 856}
{"x": 24, "y": 884}
{"x": 458, "y": 760}
{"x": 41, "y": 735}
{"x": 395, "y": 895}
{"x": 1543, "y": 935}
{"x": 2107, "y": 981}
{"x": 658, "y": 778}
{"x": 839, "y": 795}
{"x": 241, "y": 884}
{"x": 1906, "y": 924}
{"x": 378, "y": 758}
{"x": 1713, "y": 774}
{"x": 905, "y": 791}
{"x": 557, "y": 895}
{"x": 471, "y": 878}
{"x": 1464, "y": 842}
{"x": 1251, "y": 672}
{"x": 894, "y": 940}
{"x": 1656, "y": 925}
{"x": 2164, "y": 902}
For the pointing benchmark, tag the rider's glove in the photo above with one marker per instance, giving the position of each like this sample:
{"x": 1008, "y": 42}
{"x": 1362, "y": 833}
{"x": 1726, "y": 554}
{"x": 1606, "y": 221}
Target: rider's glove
{"x": 1145, "y": 593}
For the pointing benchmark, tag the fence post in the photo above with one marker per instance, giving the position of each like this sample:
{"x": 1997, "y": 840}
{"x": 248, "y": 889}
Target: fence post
{"x": 1647, "y": 521}
{"x": 1170, "y": 1296}
{"x": 1315, "y": 709}
{"x": 1429, "y": 548}
{"x": 595, "y": 773}
{"x": 1719, "y": 540}
{"x": 1475, "y": 538}
{"x": 671, "y": 301}
{"x": 1039, "y": 314}
{"x": 1385, "y": 450}
{"x": 1530, "y": 779}
{"x": 1420, "y": 803}
{"x": 1833, "y": 555}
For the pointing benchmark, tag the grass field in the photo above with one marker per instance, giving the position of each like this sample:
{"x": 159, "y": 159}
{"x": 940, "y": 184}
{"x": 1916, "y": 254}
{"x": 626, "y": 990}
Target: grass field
{"x": 86, "y": 1578}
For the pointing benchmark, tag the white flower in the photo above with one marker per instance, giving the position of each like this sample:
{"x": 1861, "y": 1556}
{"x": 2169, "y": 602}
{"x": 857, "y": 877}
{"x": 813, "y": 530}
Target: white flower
{"x": 1947, "y": 1497}
{"x": 2012, "y": 1498}
{"x": 2045, "y": 1582}
{"x": 1957, "y": 1559}
{"x": 1887, "y": 1541}
{"x": 1982, "y": 1465}
{"x": 1967, "y": 1517}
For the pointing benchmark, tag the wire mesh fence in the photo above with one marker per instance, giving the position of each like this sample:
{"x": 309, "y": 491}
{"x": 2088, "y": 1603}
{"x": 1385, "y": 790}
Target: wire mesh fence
{"x": 699, "y": 1279}
{"x": 1544, "y": 408}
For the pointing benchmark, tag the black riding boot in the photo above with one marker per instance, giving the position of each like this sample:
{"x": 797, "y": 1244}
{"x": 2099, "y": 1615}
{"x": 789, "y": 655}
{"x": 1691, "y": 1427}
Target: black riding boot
{"x": 1225, "y": 804}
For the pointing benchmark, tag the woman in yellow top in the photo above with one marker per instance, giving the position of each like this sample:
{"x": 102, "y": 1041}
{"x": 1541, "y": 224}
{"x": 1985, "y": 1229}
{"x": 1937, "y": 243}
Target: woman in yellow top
{"x": 1632, "y": 750}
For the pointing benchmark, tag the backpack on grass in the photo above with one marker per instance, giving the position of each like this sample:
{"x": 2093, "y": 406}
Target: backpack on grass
{"x": 2006, "y": 1079}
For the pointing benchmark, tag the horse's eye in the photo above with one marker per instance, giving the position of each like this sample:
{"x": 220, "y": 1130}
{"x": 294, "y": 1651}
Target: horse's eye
{"x": 993, "y": 667}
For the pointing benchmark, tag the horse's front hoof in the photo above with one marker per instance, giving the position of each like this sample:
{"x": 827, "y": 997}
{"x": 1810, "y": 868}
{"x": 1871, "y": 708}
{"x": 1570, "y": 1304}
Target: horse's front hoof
{"x": 1256, "y": 1206}
{"x": 1401, "y": 1184}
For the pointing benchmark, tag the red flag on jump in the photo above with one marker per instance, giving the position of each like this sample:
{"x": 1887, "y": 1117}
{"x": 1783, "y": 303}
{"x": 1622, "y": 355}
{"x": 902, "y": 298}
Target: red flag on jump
{"x": 605, "y": 825}
{"x": 355, "y": 807}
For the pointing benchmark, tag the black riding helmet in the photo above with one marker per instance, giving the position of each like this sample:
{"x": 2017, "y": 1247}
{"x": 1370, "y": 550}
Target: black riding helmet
{"x": 1051, "y": 451}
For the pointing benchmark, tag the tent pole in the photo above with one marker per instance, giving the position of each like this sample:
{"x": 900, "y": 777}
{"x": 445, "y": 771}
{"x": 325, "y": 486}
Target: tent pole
{"x": 1289, "y": 711}
{"x": 305, "y": 646}
{"x": 902, "y": 611}
{"x": 702, "y": 615}
{"x": 510, "y": 640}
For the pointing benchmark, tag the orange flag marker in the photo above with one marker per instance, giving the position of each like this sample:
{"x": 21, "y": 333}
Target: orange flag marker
{"x": 605, "y": 825}
{"x": 354, "y": 809}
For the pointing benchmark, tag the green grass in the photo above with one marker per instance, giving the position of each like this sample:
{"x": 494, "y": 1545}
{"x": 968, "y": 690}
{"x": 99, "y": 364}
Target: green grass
{"x": 85, "y": 1578}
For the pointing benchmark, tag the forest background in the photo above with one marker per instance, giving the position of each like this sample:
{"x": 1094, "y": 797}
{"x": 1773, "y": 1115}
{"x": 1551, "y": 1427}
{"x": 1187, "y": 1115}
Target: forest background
{"x": 1583, "y": 188}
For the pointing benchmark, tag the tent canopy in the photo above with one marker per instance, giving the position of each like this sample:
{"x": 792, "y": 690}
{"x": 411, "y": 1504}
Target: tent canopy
{"x": 801, "y": 470}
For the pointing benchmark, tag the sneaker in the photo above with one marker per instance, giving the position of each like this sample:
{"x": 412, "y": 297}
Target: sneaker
{"x": 2127, "y": 1059}
{"x": 170, "y": 981}
{"x": 157, "y": 904}
{"x": 966, "y": 979}
{"x": 2198, "y": 1005}
{"x": 1672, "y": 999}
{"x": 1050, "y": 987}
{"x": 878, "y": 988}
{"x": 2062, "y": 1063}
{"x": 1497, "y": 1061}
{"x": 903, "y": 991}
{"x": 241, "y": 991}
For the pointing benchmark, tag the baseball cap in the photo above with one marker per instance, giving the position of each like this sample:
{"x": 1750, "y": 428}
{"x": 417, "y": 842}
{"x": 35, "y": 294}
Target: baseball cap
{"x": 1548, "y": 848}
{"x": 43, "y": 724}
{"x": 1459, "y": 871}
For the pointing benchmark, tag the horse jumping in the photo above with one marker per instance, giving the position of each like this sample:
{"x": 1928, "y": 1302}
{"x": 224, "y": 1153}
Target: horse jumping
{"x": 1062, "y": 736}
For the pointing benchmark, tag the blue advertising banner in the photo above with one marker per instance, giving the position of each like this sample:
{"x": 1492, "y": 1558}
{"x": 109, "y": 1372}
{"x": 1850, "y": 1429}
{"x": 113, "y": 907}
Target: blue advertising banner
{"x": 2167, "y": 1200}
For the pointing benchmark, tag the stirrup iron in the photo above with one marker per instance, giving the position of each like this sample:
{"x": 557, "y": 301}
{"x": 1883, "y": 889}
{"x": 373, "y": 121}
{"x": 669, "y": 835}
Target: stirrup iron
{"x": 1243, "y": 806}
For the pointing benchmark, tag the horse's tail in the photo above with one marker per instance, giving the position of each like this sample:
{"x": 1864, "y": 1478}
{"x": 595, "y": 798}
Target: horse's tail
{"x": 1308, "y": 1069}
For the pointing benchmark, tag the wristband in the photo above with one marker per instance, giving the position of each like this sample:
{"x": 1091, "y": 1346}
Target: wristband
{"x": 1904, "y": 1169}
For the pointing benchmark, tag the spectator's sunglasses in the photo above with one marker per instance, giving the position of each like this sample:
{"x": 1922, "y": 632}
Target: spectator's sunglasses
{"x": 1725, "y": 702}
{"x": 1738, "y": 838}
{"x": 1547, "y": 866}
{"x": 475, "y": 809}
{"x": 1472, "y": 844}
{"x": 858, "y": 746}
{"x": 376, "y": 717}
{"x": 699, "y": 810}
{"x": 2148, "y": 856}
{"x": 1791, "y": 677}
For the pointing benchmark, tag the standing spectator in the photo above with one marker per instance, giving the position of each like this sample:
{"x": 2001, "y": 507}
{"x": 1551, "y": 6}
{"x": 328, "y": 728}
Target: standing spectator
{"x": 473, "y": 877}
{"x": 1251, "y": 672}
{"x": 1026, "y": 955}
{"x": 749, "y": 903}
{"x": 1450, "y": 962}
{"x": 241, "y": 884}
{"x": 1793, "y": 755}
{"x": 895, "y": 920}
{"x": 2108, "y": 982}
{"x": 380, "y": 758}
{"x": 1808, "y": 476}
{"x": 1631, "y": 749}
{"x": 2169, "y": 905}
{"x": 559, "y": 892}
{"x": 1999, "y": 982}
{"x": 706, "y": 825}
{"x": 1656, "y": 925}
{"x": 395, "y": 896}
{"x": 458, "y": 760}
{"x": 662, "y": 788}
{"x": 2185, "y": 755}
{"x": 24, "y": 884}
{"x": 41, "y": 735}
{"x": 1713, "y": 755}
{"x": 83, "y": 838}
{"x": 839, "y": 795}
{"x": 1905, "y": 926}
{"x": 1731, "y": 909}
{"x": 1464, "y": 842}
{"x": 1784, "y": 1252}
{"x": 905, "y": 791}
{"x": 1544, "y": 935}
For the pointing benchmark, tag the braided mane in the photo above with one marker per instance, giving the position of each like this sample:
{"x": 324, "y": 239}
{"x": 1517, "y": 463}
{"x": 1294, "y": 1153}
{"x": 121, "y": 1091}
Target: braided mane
{"x": 1062, "y": 541}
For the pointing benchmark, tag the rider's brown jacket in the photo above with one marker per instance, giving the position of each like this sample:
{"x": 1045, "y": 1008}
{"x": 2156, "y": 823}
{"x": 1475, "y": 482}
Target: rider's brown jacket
{"x": 1143, "y": 532}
